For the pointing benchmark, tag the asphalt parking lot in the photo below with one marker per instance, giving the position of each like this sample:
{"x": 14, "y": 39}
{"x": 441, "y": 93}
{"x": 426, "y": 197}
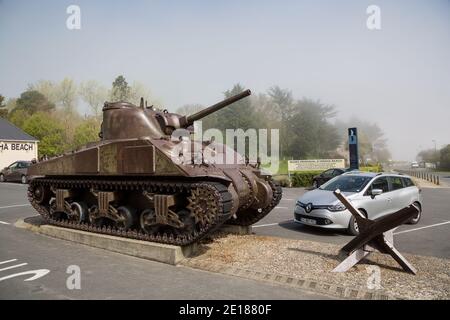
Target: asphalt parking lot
{"x": 107, "y": 275}
{"x": 430, "y": 237}
{"x": 34, "y": 266}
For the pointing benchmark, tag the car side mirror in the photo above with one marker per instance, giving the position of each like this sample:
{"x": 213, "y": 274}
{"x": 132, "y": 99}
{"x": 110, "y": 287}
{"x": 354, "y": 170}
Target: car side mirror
{"x": 376, "y": 192}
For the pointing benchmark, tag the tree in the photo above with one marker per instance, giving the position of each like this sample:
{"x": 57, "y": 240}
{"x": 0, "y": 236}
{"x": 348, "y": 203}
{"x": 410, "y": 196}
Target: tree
{"x": 63, "y": 94}
{"x": 48, "y": 131}
{"x": 239, "y": 115}
{"x": 188, "y": 109}
{"x": 371, "y": 140}
{"x": 138, "y": 91}
{"x": 18, "y": 117}
{"x": 428, "y": 155}
{"x": 94, "y": 95}
{"x": 120, "y": 90}
{"x": 32, "y": 102}
{"x": 309, "y": 132}
{"x": 67, "y": 94}
{"x": 3, "y": 109}
{"x": 85, "y": 132}
{"x": 48, "y": 88}
{"x": 283, "y": 100}
{"x": 445, "y": 157}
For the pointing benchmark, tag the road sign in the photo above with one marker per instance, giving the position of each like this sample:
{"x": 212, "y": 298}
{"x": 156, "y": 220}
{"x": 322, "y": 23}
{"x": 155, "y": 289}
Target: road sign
{"x": 353, "y": 148}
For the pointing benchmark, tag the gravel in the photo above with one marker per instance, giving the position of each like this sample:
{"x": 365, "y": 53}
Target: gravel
{"x": 314, "y": 261}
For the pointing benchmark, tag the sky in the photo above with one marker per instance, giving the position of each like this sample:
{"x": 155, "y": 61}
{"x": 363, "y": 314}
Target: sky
{"x": 192, "y": 51}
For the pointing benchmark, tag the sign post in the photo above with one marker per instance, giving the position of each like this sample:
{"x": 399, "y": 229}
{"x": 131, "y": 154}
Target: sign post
{"x": 353, "y": 148}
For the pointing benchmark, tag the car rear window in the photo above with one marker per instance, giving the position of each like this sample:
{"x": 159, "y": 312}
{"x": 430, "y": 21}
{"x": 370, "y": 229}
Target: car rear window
{"x": 396, "y": 182}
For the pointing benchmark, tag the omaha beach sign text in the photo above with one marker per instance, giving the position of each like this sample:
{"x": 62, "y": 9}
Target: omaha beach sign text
{"x": 16, "y": 146}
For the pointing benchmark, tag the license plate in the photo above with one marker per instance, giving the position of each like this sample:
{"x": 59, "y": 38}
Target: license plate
{"x": 309, "y": 221}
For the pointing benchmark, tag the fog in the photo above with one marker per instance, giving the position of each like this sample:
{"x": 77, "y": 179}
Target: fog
{"x": 192, "y": 51}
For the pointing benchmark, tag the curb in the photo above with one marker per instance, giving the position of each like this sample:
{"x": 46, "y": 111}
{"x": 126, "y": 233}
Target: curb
{"x": 341, "y": 292}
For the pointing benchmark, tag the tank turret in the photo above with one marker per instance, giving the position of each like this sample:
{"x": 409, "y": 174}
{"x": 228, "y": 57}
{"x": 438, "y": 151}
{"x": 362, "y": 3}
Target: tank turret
{"x": 123, "y": 120}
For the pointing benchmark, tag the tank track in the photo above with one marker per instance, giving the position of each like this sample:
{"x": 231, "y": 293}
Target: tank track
{"x": 220, "y": 191}
{"x": 249, "y": 216}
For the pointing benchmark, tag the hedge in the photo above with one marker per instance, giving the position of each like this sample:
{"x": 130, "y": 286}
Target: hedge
{"x": 304, "y": 178}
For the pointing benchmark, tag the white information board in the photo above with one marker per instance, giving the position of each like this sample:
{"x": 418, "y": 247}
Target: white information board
{"x": 315, "y": 164}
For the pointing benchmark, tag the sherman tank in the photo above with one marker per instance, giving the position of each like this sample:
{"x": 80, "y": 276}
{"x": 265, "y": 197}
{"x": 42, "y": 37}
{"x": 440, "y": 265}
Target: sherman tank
{"x": 143, "y": 181}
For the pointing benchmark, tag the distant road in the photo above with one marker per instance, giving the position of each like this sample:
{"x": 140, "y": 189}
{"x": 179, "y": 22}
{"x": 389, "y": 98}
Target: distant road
{"x": 444, "y": 177}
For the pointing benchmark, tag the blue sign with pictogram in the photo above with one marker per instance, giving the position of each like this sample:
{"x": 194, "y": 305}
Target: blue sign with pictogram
{"x": 353, "y": 148}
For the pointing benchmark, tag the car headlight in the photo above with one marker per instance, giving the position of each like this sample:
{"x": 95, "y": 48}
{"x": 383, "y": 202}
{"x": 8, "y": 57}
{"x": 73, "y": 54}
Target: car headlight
{"x": 337, "y": 207}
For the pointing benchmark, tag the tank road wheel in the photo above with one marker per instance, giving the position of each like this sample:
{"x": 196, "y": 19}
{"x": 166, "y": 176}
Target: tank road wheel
{"x": 78, "y": 212}
{"x": 188, "y": 220}
{"x": 126, "y": 217}
{"x": 147, "y": 221}
{"x": 54, "y": 214}
{"x": 41, "y": 194}
{"x": 92, "y": 216}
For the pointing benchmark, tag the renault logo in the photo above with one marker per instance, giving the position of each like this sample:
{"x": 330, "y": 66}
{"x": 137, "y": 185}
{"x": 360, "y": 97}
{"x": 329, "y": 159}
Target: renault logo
{"x": 308, "y": 207}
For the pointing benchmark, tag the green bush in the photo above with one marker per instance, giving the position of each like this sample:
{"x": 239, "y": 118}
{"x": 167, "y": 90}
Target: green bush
{"x": 372, "y": 168}
{"x": 282, "y": 180}
{"x": 304, "y": 178}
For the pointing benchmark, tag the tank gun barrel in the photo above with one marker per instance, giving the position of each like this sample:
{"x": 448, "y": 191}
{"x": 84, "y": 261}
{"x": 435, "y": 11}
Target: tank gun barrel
{"x": 216, "y": 107}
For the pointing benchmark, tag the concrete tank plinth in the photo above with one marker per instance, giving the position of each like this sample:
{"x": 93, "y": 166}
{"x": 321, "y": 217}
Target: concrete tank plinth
{"x": 165, "y": 253}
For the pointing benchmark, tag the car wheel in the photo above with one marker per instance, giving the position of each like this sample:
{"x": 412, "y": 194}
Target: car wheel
{"x": 2, "y": 178}
{"x": 416, "y": 218}
{"x": 24, "y": 179}
{"x": 315, "y": 184}
{"x": 353, "y": 228}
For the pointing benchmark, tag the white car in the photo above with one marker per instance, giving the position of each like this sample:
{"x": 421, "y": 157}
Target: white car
{"x": 374, "y": 194}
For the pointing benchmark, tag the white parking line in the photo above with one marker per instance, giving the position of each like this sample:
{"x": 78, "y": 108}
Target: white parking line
{"x": 16, "y": 266}
{"x": 3, "y": 222}
{"x": 16, "y": 205}
{"x": 281, "y": 208}
{"x": 430, "y": 226}
{"x": 8, "y": 261}
{"x": 265, "y": 225}
{"x": 287, "y": 199}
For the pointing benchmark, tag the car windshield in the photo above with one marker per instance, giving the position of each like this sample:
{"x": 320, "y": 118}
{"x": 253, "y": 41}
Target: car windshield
{"x": 346, "y": 183}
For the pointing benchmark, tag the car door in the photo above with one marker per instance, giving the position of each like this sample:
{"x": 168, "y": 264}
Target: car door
{"x": 11, "y": 171}
{"x": 20, "y": 170}
{"x": 400, "y": 196}
{"x": 411, "y": 190}
{"x": 381, "y": 204}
